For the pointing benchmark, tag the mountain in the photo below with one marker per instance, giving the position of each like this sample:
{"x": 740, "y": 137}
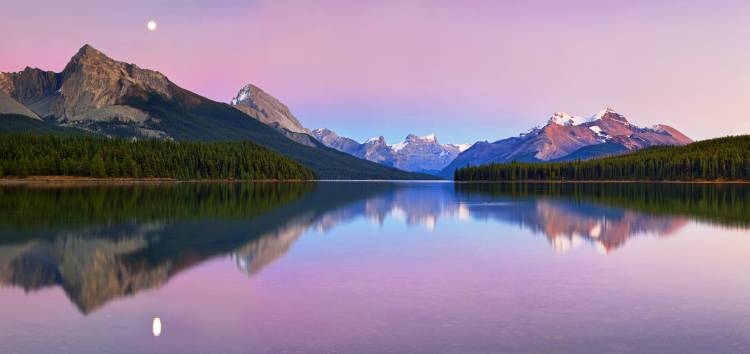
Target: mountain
{"x": 266, "y": 108}
{"x": 260, "y": 105}
{"x": 566, "y": 137}
{"x": 98, "y": 94}
{"x": 425, "y": 154}
{"x": 331, "y": 139}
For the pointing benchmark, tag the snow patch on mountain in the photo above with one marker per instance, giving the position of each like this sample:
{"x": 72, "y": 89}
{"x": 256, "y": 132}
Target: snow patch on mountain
{"x": 562, "y": 118}
{"x": 400, "y": 146}
{"x": 462, "y": 147}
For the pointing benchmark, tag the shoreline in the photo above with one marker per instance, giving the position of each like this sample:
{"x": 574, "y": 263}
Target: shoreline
{"x": 72, "y": 180}
{"x": 608, "y": 182}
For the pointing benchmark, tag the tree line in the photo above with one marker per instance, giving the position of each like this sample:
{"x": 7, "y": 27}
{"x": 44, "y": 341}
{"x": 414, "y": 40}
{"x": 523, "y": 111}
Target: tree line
{"x": 86, "y": 156}
{"x": 722, "y": 159}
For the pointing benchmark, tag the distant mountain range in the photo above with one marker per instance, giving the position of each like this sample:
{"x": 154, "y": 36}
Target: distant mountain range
{"x": 566, "y": 137}
{"x": 416, "y": 154}
{"x": 97, "y": 94}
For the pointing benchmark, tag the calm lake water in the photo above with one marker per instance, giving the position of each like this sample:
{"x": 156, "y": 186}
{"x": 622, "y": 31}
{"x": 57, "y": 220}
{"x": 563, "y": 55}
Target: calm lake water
{"x": 375, "y": 268}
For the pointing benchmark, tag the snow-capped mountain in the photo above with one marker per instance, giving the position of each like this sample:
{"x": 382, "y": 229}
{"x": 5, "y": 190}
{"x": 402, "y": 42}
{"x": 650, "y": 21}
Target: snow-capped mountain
{"x": 567, "y": 137}
{"x": 415, "y": 154}
{"x": 332, "y": 140}
{"x": 424, "y": 154}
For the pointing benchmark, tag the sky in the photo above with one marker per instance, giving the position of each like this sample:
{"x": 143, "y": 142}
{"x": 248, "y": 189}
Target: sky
{"x": 464, "y": 70}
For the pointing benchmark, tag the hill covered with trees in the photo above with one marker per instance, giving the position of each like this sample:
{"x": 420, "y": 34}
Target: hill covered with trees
{"x": 88, "y": 156}
{"x": 722, "y": 159}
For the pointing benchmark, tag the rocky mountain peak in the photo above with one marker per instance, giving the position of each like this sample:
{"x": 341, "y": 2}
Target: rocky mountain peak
{"x": 92, "y": 82}
{"x": 88, "y": 50}
{"x": 609, "y": 113}
{"x": 379, "y": 140}
{"x": 333, "y": 140}
{"x": 91, "y": 88}
{"x": 423, "y": 139}
{"x": 262, "y": 106}
{"x": 88, "y": 55}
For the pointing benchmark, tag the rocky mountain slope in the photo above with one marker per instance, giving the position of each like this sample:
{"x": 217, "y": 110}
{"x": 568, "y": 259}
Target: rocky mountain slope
{"x": 8, "y": 105}
{"x": 414, "y": 154}
{"x": 566, "y": 137}
{"x": 266, "y": 108}
{"x": 331, "y": 139}
{"x": 98, "y": 94}
{"x": 258, "y": 104}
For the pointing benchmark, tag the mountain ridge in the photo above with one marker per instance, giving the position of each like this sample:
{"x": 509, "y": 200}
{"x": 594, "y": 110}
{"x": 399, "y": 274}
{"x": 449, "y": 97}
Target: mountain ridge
{"x": 417, "y": 154}
{"x": 566, "y": 137}
{"x": 98, "y": 94}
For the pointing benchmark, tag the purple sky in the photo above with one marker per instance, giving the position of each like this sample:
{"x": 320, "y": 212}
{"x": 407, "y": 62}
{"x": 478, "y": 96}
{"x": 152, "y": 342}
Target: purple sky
{"x": 465, "y": 70}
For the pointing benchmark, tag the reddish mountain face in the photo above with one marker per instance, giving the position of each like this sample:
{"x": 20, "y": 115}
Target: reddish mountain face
{"x": 566, "y": 137}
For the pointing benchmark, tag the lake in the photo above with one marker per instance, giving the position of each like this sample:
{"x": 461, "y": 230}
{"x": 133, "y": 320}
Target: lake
{"x": 375, "y": 267}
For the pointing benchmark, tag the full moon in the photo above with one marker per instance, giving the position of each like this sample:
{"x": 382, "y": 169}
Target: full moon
{"x": 151, "y": 25}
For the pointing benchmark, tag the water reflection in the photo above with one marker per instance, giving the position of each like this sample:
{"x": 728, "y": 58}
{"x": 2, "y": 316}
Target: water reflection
{"x": 156, "y": 326}
{"x": 101, "y": 243}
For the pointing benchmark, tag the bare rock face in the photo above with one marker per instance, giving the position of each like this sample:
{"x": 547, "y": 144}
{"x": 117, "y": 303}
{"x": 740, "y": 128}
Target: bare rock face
{"x": 377, "y": 150}
{"x": 8, "y": 105}
{"x": 34, "y": 88}
{"x": 91, "y": 89}
{"x": 333, "y": 140}
{"x": 569, "y": 137}
{"x": 92, "y": 81}
{"x": 267, "y": 109}
{"x": 30, "y": 84}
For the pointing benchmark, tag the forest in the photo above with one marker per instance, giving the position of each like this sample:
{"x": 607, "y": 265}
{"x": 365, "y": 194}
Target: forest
{"x": 721, "y": 159}
{"x": 23, "y": 155}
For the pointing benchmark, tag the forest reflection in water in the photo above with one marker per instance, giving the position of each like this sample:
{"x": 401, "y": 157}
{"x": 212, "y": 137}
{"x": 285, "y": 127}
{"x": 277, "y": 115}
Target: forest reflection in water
{"x": 100, "y": 243}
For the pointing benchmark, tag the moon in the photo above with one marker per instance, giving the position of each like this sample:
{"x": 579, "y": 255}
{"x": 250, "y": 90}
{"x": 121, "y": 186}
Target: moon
{"x": 151, "y": 25}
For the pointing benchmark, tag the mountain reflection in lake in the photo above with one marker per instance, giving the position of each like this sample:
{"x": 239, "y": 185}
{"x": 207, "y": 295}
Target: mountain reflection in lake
{"x": 405, "y": 267}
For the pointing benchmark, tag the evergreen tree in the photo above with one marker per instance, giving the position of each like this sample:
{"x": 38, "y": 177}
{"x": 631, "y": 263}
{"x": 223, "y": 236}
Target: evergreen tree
{"x": 97, "y": 166}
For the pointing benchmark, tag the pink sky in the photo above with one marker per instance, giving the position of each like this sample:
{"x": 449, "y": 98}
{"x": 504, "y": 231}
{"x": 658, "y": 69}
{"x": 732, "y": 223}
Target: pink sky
{"x": 467, "y": 71}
